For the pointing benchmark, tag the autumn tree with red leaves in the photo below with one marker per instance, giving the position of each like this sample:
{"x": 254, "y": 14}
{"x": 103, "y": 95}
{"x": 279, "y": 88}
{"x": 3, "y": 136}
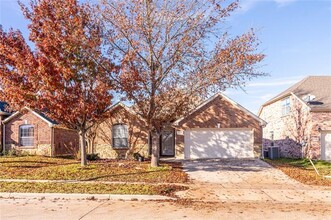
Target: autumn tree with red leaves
{"x": 62, "y": 75}
{"x": 173, "y": 53}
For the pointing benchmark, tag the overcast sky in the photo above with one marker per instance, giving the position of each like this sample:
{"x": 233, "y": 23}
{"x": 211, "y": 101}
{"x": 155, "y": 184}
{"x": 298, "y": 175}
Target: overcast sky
{"x": 295, "y": 35}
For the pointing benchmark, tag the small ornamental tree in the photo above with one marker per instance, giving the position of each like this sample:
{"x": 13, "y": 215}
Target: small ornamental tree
{"x": 174, "y": 53}
{"x": 62, "y": 75}
{"x": 299, "y": 127}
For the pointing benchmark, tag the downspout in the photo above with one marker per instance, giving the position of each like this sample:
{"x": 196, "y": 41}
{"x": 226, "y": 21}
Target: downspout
{"x": 263, "y": 124}
{"x": 175, "y": 139}
{"x": 4, "y": 139}
{"x": 52, "y": 142}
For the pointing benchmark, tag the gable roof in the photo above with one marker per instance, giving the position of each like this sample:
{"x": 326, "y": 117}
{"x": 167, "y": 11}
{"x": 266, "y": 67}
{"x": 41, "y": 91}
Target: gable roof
{"x": 262, "y": 122}
{"x": 121, "y": 104}
{"x": 40, "y": 115}
{"x": 319, "y": 86}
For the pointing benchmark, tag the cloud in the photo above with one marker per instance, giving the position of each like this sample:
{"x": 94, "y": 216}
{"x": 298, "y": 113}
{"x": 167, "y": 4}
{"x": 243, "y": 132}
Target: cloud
{"x": 268, "y": 84}
{"x": 277, "y": 82}
{"x": 246, "y": 5}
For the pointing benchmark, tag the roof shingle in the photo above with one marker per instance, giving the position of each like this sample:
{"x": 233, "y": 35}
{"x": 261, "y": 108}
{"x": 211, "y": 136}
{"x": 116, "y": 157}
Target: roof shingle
{"x": 318, "y": 86}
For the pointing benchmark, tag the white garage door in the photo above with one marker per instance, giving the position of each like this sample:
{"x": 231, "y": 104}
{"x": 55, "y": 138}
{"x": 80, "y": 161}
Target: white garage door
{"x": 326, "y": 145}
{"x": 218, "y": 143}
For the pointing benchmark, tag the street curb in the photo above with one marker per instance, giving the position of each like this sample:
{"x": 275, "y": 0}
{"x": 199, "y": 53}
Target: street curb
{"x": 91, "y": 182}
{"x": 41, "y": 196}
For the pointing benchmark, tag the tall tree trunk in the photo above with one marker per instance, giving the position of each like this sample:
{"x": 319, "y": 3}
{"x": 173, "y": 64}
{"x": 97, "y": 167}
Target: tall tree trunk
{"x": 155, "y": 149}
{"x": 82, "y": 145}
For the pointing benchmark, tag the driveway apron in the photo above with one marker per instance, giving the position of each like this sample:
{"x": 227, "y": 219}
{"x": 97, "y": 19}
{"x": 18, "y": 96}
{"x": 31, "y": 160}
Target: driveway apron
{"x": 246, "y": 180}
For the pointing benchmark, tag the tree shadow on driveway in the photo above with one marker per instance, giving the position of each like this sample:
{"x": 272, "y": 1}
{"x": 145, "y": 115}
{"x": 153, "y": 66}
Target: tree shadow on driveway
{"x": 214, "y": 165}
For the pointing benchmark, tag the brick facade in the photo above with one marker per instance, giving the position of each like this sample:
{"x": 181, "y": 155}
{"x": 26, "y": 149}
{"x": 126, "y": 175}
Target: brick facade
{"x": 223, "y": 112}
{"x": 322, "y": 121}
{"x": 137, "y": 135}
{"x": 279, "y": 126}
{"x": 42, "y": 134}
{"x": 48, "y": 140}
{"x": 284, "y": 129}
{"x": 66, "y": 142}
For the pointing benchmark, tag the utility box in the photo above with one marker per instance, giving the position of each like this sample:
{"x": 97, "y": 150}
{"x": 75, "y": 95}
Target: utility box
{"x": 273, "y": 152}
{"x": 265, "y": 153}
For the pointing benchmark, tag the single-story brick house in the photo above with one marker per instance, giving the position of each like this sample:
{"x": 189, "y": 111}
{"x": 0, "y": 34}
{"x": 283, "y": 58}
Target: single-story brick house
{"x": 299, "y": 119}
{"x": 217, "y": 128}
{"x": 31, "y": 132}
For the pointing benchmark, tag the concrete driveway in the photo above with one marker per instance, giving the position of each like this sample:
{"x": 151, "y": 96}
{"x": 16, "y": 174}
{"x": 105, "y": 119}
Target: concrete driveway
{"x": 247, "y": 180}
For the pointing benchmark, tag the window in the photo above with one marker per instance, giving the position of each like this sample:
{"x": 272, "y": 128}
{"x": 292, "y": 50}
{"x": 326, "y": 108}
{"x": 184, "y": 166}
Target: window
{"x": 120, "y": 136}
{"x": 286, "y": 108}
{"x": 26, "y": 135}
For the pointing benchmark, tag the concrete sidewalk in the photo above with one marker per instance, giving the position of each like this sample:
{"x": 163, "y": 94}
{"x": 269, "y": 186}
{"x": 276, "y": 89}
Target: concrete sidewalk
{"x": 42, "y": 196}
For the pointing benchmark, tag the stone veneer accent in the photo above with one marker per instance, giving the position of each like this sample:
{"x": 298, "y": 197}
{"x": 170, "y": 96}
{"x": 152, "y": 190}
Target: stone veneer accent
{"x": 280, "y": 126}
{"x": 40, "y": 150}
{"x": 283, "y": 125}
{"x": 137, "y": 138}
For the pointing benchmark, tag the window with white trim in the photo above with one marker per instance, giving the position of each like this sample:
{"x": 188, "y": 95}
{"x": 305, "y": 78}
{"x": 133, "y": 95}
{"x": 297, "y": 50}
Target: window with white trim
{"x": 120, "y": 136}
{"x": 26, "y": 135}
{"x": 286, "y": 106}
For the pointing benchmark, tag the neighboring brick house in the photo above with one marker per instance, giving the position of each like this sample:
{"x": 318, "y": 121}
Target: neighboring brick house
{"x": 31, "y": 132}
{"x": 299, "y": 119}
{"x": 217, "y": 128}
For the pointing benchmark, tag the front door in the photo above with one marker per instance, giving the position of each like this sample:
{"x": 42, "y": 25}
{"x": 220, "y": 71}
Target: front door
{"x": 167, "y": 143}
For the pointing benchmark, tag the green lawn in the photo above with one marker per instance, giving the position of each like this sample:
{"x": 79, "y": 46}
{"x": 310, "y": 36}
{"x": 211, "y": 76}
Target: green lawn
{"x": 303, "y": 171}
{"x": 43, "y": 168}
